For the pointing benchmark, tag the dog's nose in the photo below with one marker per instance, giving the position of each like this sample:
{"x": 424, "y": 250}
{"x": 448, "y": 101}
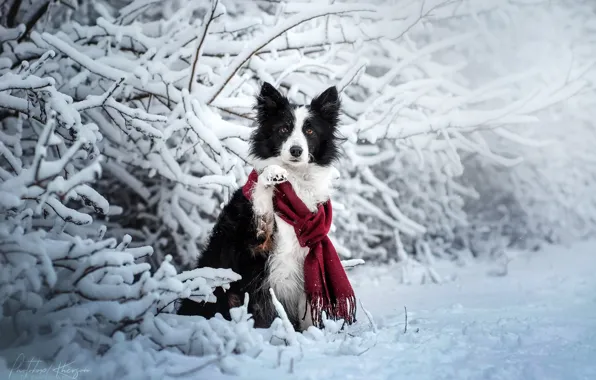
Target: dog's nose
{"x": 295, "y": 151}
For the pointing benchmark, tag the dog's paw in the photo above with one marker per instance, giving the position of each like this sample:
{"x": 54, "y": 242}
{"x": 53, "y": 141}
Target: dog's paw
{"x": 273, "y": 174}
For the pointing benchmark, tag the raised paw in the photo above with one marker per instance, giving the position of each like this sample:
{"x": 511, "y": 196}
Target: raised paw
{"x": 273, "y": 174}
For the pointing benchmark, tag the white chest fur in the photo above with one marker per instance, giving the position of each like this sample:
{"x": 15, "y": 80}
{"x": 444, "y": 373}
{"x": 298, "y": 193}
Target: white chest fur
{"x": 286, "y": 273}
{"x": 286, "y": 264}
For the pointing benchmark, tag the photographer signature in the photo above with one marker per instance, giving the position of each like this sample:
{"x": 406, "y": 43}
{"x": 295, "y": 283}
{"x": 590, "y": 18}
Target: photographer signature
{"x": 24, "y": 368}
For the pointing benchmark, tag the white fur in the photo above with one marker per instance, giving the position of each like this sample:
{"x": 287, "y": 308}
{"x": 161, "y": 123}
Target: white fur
{"x": 297, "y": 138}
{"x": 312, "y": 184}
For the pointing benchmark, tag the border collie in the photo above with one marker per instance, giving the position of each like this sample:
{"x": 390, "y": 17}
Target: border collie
{"x": 295, "y": 143}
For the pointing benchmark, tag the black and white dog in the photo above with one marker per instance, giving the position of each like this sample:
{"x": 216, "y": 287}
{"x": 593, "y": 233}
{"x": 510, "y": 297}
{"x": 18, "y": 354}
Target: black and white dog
{"x": 291, "y": 143}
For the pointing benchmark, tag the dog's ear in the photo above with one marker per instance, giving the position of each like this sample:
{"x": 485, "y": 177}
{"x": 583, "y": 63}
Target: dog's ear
{"x": 269, "y": 99}
{"x": 327, "y": 105}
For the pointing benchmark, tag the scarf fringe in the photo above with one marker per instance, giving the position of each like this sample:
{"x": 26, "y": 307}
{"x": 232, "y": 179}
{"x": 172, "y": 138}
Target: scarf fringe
{"x": 343, "y": 308}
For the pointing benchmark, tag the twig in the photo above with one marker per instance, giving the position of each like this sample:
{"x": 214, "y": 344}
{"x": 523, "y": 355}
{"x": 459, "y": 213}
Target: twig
{"x": 195, "y": 369}
{"x": 11, "y": 17}
{"x": 289, "y": 329}
{"x": 290, "y": 23}
{"x": 406, "y": 319}
{"x": 31, "y": 23}
{"x": 279, "y": 352}
{"x": 369, "y": 316}
{"x": 206, "y": 24}
{"x": 166, "y": 305}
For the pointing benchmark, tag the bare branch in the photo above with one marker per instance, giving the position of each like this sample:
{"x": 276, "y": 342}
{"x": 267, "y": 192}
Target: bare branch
{"x": 206, "y": 22}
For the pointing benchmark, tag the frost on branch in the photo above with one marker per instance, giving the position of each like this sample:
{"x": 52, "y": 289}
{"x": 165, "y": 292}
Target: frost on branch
{"x": 173, "y": 100}
{"x": 171, "y": 86}
{"x": 549, "y": 197}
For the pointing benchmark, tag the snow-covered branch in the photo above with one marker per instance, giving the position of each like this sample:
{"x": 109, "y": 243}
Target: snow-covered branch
{"x": 61, "y": 279}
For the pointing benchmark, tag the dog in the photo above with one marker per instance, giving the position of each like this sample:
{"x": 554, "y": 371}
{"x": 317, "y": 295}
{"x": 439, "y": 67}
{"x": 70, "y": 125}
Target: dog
{"x": 295, "y": 143}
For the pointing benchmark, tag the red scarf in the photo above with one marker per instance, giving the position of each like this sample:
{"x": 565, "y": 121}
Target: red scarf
{"x": 325, "y": 282}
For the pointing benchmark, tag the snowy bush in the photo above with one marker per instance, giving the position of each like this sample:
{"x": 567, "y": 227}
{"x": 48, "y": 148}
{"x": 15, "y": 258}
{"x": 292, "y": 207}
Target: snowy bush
{"x": 549, "y": 196}
{"x": 62, "y": 282}
{"x": 190, "y": 70}
{"x": 453, "y": 116}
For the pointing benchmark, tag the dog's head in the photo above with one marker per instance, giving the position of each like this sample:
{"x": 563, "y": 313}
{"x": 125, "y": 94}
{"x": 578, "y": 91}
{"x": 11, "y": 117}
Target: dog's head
{"x": 296, "y": 136}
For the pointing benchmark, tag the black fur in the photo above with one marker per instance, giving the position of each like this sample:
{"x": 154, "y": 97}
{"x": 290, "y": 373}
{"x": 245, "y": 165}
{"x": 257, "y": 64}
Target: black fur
{"x": 233, "y": 242}
{"x": 232, "y": 245}
{"x": 323, "y": 143}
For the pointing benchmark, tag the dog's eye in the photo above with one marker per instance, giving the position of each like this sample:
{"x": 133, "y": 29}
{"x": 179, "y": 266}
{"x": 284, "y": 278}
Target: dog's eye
{"x": 284, "y": 130}
{"x": 309, "y": 131}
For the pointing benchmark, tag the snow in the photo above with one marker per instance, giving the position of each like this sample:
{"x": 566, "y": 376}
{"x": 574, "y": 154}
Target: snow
{"x": 412, "y": 96}
{"x": 534, "y": 320}
{"x": 537, "y": 322}
{"x": 114, "y": 172}
{"x": 258, "y": 43}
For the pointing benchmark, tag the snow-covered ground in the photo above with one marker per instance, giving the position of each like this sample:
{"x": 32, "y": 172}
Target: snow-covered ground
{"x": 536, "y": 322}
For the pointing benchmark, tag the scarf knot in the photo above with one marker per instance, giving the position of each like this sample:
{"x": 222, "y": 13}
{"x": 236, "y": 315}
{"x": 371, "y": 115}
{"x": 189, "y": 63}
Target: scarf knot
{"x": 326, "y": 284}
